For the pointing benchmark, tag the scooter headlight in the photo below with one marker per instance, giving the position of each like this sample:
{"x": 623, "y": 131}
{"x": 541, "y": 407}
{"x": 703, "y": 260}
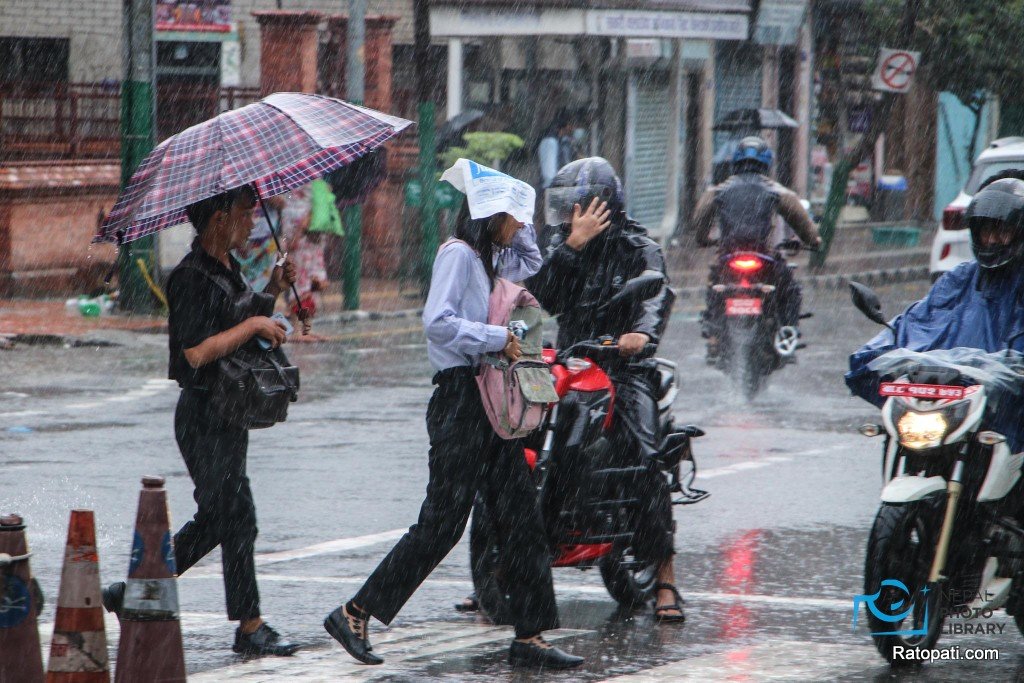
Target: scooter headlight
{"x": 919, "y": 431}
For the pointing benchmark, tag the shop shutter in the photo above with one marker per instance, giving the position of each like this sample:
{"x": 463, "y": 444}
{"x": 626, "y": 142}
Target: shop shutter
{"x": 647, "y": 170}
{"x": 737, "y": 81}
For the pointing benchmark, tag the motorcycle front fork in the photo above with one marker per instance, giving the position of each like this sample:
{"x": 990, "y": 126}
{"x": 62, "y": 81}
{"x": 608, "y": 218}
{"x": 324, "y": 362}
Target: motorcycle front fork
{"x": 953, "y": 491}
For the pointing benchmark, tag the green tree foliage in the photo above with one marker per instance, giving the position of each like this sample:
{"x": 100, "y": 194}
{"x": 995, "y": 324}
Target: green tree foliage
{"x": 489, "y": 149}
{"x": 971, "y": 48}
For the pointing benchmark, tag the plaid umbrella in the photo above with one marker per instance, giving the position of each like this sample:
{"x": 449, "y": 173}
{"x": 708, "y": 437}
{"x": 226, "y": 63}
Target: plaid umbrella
{"x": 279, "y": 143}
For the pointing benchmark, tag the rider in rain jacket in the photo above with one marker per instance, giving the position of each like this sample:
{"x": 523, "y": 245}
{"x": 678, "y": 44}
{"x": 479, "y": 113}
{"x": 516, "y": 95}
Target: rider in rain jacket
{"x": 596, "y": 248}
{"x": 976, "y": 305}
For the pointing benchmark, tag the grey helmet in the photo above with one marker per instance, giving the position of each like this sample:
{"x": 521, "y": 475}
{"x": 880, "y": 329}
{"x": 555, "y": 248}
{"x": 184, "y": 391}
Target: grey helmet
{"x": 579, "y": 182}
{"x": 997, "y": 207}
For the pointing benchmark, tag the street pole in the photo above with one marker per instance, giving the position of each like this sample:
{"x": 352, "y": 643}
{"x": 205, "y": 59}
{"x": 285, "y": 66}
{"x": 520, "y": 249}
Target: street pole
{"x": 355, "y": 76}
{"x": 425, "y": 76}
{"x": 137, "y": 139}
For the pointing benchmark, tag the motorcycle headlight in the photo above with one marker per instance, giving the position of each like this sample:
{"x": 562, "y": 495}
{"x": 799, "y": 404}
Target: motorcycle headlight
{"x": 921, "y": 430}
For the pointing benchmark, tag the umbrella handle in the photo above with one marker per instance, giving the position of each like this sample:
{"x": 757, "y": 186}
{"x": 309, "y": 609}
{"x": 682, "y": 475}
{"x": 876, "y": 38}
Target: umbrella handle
{"x": 273, "y": 233}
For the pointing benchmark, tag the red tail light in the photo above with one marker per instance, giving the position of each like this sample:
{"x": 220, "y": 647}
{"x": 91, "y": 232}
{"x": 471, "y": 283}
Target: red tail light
{"x": 946, "y": 249}
{"x": 953, "y": 218}
{"x": 746, "y": 264}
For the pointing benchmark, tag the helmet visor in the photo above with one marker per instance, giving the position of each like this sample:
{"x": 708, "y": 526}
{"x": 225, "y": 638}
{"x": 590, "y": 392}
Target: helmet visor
{"x": 559, "y": 202}
{"x": 995, "y": 242}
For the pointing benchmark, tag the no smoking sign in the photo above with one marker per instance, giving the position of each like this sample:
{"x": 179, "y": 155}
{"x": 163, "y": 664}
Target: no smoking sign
{"x": 895, "y": 70}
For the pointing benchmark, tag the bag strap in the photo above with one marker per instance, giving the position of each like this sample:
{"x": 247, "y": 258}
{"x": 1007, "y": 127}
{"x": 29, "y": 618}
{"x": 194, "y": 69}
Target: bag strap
{"x": 215, "y": 278}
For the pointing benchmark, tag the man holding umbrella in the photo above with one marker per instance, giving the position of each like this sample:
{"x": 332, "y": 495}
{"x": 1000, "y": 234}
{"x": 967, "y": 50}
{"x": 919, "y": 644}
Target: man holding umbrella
{"x": 204, "y": 327}
{"x": 214, "y": 175}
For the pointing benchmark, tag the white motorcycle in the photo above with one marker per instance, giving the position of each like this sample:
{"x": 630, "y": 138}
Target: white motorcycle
{"x": 948, "y": 538}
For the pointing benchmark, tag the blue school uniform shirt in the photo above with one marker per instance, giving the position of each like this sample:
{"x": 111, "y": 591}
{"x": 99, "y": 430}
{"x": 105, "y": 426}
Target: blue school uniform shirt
{"x": 455, "y": 315}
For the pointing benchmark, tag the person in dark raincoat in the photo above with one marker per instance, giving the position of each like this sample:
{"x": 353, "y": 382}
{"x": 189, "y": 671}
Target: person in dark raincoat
{"x": 746, "y": 205}
{"x": 206, "y": 324}
{"x": 978, "y": 304}
{"x": 592, "y": 253}
{"x": 466, "y": 455}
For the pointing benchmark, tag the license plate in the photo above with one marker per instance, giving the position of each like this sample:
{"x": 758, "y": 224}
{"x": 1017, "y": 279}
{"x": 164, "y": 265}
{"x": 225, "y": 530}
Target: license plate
{"x": 743, "y": 306}
{"x": 935, "y": 392}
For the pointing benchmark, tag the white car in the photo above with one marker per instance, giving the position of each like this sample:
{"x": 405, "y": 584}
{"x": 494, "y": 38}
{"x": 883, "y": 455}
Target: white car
{"x": 952, "y": 245}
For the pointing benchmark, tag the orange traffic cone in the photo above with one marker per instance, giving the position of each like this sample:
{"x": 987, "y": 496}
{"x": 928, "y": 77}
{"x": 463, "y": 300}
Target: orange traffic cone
{"x": 150, "y": 647}
{"x": 21, "y": 661}
{"x": 78, "y": 651}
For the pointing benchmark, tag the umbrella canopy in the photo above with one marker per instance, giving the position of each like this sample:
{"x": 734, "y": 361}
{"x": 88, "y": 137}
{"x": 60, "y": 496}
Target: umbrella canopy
{"x": 451, "y": 132}
{"x": 279, "y": 143}
{"x": 755, "y": 119}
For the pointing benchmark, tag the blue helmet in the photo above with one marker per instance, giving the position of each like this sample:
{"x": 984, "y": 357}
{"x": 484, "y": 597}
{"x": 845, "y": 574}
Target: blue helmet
{"x": 752, "y": 154}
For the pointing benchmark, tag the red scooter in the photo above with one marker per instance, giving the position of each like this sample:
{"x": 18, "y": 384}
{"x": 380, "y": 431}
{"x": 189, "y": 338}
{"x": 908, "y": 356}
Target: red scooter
{"x": 585, "y": 479}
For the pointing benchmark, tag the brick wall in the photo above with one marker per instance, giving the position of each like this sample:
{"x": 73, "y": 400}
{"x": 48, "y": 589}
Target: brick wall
{"x": 94, "y": 28}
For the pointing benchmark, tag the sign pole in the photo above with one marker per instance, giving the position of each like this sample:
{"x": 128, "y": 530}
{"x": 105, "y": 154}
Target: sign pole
{"x": 355, "y": 77}
{"x": 425, "y": 77}
{"x": 137, "y": 139}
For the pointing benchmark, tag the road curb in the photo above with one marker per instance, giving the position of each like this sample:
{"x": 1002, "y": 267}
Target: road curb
{"x": 360, "y": 315}
{"x": 885, "y": 276}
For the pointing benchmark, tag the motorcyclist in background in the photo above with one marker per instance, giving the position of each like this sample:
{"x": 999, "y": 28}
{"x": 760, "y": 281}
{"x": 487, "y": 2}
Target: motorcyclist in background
{"x": 594, "y": 250}
{"x": 746, "y": 205}
{"x": 976, "y": 305}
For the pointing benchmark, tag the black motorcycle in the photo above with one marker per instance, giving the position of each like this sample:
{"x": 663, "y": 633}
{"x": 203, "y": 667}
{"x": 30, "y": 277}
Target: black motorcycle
{"x": 754, "y": 343}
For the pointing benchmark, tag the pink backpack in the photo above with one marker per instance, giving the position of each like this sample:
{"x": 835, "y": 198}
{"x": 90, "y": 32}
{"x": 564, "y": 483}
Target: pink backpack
{"x": 516, "y": 395}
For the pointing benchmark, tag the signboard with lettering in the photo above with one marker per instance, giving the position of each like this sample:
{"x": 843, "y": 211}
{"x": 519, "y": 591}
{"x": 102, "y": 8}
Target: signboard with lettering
{"x": 194, "y": 15}
{"x": 778, "y": 21}
{"x": 643, "y": 24}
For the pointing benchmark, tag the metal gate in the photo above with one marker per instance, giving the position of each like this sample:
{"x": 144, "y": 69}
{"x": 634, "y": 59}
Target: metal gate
{"x": 649, "y": 116}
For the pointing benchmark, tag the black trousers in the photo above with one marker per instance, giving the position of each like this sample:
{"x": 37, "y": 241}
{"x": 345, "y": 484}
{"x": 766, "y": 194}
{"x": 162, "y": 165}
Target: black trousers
{"x": 788, "y": 299}
{"x": 636, "y": 431}
{"x": 466, "y": 456}
{"x": 215, "y": 454}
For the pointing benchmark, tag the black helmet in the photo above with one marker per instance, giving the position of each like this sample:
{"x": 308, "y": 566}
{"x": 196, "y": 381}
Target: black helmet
{"x": 578, "y": 183}
{"x": 997, "y": 208}
{"x": 752, "y": 154}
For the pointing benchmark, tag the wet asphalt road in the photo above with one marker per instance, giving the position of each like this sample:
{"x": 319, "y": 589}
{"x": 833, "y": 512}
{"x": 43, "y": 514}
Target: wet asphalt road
{"x": 768, "y": 565}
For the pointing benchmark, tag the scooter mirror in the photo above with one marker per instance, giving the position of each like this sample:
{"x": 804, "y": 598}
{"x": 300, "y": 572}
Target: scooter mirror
{"x": 643, "y": 286}
{"x": 866, "y": 301}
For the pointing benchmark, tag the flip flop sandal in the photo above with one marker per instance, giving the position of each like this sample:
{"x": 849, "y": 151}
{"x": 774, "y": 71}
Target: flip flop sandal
{"x": 660, "y": 613}
{"x": 470, "y": 604}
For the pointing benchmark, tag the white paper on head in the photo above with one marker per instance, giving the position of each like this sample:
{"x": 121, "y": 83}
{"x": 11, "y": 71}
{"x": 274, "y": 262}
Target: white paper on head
{"x": 490, "y": 192}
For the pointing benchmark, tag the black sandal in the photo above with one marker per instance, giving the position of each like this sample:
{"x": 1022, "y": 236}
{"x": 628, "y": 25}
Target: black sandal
{"x": 469, "y": 604}
{"x": 660, "y": 612}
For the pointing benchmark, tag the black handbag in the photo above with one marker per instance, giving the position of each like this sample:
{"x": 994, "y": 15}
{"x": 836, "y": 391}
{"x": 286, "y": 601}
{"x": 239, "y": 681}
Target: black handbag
{"x": 252, "y": 389}
{"x": 252, "y": 386}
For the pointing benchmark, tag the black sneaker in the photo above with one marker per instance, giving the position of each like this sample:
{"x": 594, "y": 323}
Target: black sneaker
{"x": 263, "y": 641}
{"x": 113, "y": 597}
{"x": 544, "y": 656}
